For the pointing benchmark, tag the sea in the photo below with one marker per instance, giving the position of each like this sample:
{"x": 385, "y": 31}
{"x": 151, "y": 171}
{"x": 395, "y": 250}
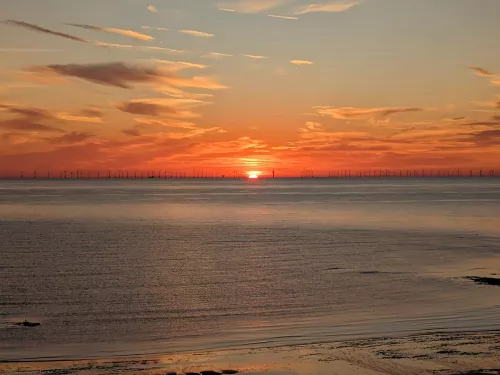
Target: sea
{"x": 124, "y": 267}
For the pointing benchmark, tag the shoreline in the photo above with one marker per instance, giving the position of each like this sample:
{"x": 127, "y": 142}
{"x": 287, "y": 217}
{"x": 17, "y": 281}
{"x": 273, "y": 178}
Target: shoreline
{"x": 247, "y": 347}
{"x": 426, "y": 353}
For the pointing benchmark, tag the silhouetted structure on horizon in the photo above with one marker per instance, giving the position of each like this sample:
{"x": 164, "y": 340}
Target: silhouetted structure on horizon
{"x": 240, "y": 174}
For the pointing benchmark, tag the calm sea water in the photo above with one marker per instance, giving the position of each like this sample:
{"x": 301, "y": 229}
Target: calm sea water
{"x": 128, "y": 267}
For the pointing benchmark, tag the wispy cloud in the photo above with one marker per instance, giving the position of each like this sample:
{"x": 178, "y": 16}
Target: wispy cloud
{"x": 152, "y": 8}
{"x": 181, "y": 64}
{"x": 28, "y": 50}
{"x": 71, "y": 138}
{"x": 301, "y": 62}
{"x": 155, "y": 28}
{"x": 33, "y": 119}
{"x": 311, "y": 126}
{"x": 251, "y": 6}
{"x": 335, "y": 7}
{"x": 27, "y": 124}
{"x": 176, "y": 92}
{"x": 216, "y": 55}
{"x": 196, "y": 33}
{"x": 481, "y": 71}
{"x": 168, "y": 123}
{"x": 177, "y": 108}
{"x": 144, "y": 108}
{"x": 115, "y": 74}
{"x": 282, "y": 17}
{"x": 139, "y": 48}
{"x": 78, "y": 117}
{"x": 90, "y": 115}
{"x": 154, "y": 48}
{"x": 256, "y": 57}
{"x": 352, "y": 113}
{"x": 122, "y": 75}
{"x": 123, "y": 32}
{"x": 43, "y": 30}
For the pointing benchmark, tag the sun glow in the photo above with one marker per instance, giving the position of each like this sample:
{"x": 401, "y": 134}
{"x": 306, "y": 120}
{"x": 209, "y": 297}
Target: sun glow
{"x": 253, "y": 175}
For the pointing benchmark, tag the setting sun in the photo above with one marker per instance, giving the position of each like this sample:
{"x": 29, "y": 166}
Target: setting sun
{"x": 253, "y": 175}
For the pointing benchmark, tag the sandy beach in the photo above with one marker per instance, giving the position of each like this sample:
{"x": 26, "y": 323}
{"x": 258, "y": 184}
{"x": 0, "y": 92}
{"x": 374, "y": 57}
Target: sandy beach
{"x": 473, "y": 353}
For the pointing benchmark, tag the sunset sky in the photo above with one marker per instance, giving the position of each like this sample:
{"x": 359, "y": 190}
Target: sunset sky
{"x": 253, "y": 85}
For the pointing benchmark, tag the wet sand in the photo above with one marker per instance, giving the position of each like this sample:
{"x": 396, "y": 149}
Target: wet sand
{"x": 476, "y": 353}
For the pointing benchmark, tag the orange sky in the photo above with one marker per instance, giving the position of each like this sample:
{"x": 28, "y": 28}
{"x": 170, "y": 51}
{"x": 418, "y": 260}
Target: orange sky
{"x": 250, "y": 85}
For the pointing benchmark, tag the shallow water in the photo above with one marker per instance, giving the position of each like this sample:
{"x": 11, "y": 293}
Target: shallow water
{"x": 152, "y": 266}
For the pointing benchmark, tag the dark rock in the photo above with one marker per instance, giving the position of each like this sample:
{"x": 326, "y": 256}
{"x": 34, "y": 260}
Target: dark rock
{"x": 484, "y": 280}
{"x": 27, "y": 324}
{"x": 171, "y": 373}
{"x": 229, "y": 372}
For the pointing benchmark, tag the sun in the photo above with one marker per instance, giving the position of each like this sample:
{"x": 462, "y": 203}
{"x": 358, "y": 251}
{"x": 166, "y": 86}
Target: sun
{"x": 253, "y": 175}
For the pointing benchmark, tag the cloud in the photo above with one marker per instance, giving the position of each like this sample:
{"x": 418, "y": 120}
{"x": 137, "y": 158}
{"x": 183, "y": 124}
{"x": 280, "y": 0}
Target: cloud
{"x": 178, "y": 65}
{"x": 40, "y": 29}
{"x": 196, "y": 33}
{"x": 154, "y": 48}
{"x": 27, "y": 119}
{"x": 175, "y": 92}
{"x": 168, "y": 123}
{"x": 30, "y": 112}
{"x": 351, "y": 113}
{"x": 493, "y": 122}
{"x": 26, "y": 124}
{"x": 256, "y": 57}
{"x": 200, "y": 82}
{"x": 28, "y": 50}
{"x": 487, "y": 137}
{"x": 79, "y": 118}
{"x": 335, "y": 7}
{"x": 312, "y": 127}
{"x": 140, "y": 48}
{"x": 301, "y": 62}
{"x": 481, "y": 71}
{"x": 115, "y": 74}
{"x": 141, "y": 108}
{"x": 129, "y": 33}
{"x": 91, "y": 112}
{"x": 121, "y": 75}
{"x": 33, "y": 118}
{"x": 133, "y": 132}
{"x": 154, "y": 28}
{"x": 216, "y": 55}
{"x": 177, "y": 108}
{"x": 152, "y": 8}
{"x": 282, "y": 17}
{"x": 251, "y": 6}
{"x": 71, "y": 138}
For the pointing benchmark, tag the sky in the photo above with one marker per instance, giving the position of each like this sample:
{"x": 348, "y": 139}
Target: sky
{"x": 249, "y": 85}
